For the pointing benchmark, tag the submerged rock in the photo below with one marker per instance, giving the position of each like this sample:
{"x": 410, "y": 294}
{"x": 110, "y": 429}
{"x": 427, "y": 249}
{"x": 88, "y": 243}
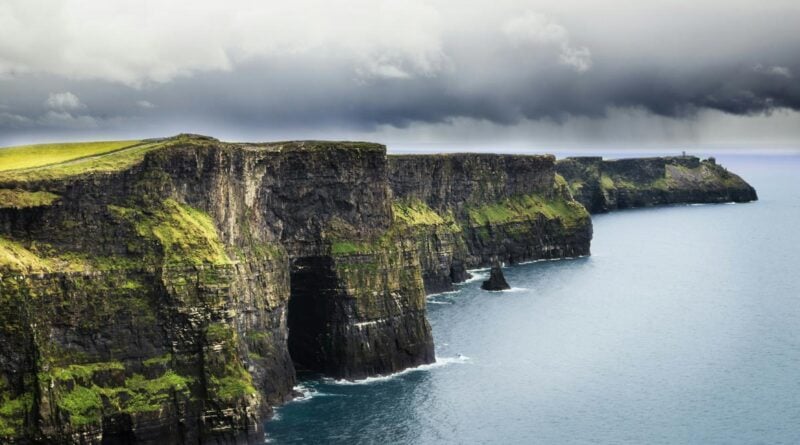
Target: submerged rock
{"x": 496, "y": 279}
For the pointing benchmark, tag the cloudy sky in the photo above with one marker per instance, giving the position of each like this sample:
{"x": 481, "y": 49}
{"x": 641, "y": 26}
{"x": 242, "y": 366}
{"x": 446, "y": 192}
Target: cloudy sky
{"x": 410, "y": 73}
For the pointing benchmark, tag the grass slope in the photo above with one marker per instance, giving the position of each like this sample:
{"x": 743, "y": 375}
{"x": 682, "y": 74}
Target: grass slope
{"x": 30, "y": 156}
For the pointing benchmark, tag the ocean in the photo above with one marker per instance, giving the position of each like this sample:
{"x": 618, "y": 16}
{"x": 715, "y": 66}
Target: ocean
{"x": 683, "y": 326}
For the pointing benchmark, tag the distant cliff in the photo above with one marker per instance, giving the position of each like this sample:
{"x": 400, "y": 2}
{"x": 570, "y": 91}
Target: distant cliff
{"x": 164, "y": 291}
{"x": 513, "y": 208}
{"x": 604, "y": 185}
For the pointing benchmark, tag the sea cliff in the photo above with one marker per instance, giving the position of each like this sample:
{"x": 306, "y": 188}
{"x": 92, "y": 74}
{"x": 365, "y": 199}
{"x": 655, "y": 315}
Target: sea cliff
{"x": 166, "y": 291}
{"x": 605, "y": 185}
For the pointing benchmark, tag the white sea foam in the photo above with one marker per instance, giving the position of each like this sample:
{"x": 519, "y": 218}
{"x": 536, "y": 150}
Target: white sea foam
{"x": 440, "y": 362}
{"x": 439, "y": 302}
{"x": 443, "y": 293}
{"x": 477, "y": 274}
{"x": 542, "y": 260}
{"x": 308, "y": 393}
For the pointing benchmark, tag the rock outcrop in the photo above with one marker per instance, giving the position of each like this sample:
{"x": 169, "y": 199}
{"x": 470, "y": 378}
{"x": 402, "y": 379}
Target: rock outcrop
{"x": 605, "y": 185}
{"x": 496, "y": 281}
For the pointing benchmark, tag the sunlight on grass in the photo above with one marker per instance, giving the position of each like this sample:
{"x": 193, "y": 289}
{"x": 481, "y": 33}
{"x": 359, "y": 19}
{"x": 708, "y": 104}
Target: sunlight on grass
{"x": 29, "y": 156}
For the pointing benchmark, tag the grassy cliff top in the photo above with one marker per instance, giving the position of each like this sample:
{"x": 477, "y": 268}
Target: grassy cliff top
{"x": 28, "y": 163}
{"x": 56, "y": 161}
{"x": 31, "y": 156}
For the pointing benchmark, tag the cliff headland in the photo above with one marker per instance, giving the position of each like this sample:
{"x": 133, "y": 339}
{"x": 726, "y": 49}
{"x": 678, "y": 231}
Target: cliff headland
{"x": 166, "y": 291}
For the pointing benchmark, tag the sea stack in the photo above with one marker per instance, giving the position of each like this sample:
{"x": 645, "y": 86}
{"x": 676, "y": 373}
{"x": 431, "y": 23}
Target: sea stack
{"x": 496, "y": 279}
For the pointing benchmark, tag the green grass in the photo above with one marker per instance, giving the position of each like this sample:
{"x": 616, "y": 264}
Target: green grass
{"x": 20, "y": 199}
{"x": 30, "y": 156}
{"x": 606, "y": 183}
{"x": 17, "y": 258}
{"x": 187, "y": 235}
{"x": 83, "y": 404}
{"x": 148, "y": 395}
{"x": 12, "y": 413}
{"x": 416, "y": 212}
{"x": 85, "y": 372}
{"x": 108, "y": 162}
{"x": 528, "y": 207}
{"x": 85, "y": 401}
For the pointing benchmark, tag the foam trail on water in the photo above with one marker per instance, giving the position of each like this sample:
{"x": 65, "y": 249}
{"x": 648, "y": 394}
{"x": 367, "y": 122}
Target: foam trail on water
{"x": 443, "y": 293}
{"x": 542, "y": 260}
{"x": 440, "y": 362}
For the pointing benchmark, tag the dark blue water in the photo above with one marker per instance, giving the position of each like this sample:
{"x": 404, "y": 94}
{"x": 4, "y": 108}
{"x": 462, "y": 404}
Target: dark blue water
{"x": 682, "y": 327}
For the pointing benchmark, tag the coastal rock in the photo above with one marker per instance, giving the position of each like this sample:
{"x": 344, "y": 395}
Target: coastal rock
{"x": 496, "y": 281}
{"x": 605, "y": 185}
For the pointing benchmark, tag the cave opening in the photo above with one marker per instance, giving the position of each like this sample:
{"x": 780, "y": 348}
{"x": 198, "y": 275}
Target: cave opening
{"x": 311, "y": 309}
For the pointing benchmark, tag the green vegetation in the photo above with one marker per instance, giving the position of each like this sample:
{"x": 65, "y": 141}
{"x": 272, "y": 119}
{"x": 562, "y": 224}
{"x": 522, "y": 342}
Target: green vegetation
{"x": 161, "y": 360}
{"x": 237, "y": 384}
{"x": 30, "y": 156}
{"x": 15, "y": 257}
{"x": 528, "y": 207}
{"x": 108, "y": 162}
{"x": 151, "y": 394}
{"x": 606, "y": 183}
{"x": 12, "y": 413}
{"x": 20, "y": 199}
{"x": 85, "y": 372}
{"x": 85, "y": 399}
{"x": 415, "y": 212}
{"x": 83, "y": 404}
{"x": 187, "y": 235}
{"x": 350, "y": 247}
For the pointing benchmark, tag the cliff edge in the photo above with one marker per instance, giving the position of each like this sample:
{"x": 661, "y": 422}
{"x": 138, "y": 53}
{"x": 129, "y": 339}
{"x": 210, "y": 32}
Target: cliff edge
{"x": 605, "y": 185}
{"x": 167, "y": 290}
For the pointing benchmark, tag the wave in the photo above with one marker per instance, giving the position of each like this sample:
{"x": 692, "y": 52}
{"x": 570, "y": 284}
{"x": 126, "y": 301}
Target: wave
{"x": 477, "y": 274}
{"x": 439, "y": 302}
{"x": 443, "y": 293}
{"x": 307, "y": 393}
{"x": 440, "y": 362}
{"x": 543, "y": 260}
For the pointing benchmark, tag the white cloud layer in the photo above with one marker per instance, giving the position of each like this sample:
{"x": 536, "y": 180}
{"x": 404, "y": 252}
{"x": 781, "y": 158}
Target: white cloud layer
{"x": 360, "y": 66}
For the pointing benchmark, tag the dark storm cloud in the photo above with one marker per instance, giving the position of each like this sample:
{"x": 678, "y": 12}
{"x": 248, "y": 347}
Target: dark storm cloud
{"x": 505, "y": 65}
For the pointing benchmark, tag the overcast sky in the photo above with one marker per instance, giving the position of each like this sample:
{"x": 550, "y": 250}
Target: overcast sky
{"x": 409, "y": 73}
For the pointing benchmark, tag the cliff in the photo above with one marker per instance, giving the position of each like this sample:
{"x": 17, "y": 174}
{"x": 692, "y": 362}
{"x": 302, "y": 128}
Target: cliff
{"x": 484, "y": 206}
{"x": 164, "y": 293}
{"x": 605, "y": 185}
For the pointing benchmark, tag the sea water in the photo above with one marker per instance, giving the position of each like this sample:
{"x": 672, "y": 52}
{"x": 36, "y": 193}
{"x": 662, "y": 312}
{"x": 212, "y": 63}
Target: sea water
{"x": 683, "y": 326}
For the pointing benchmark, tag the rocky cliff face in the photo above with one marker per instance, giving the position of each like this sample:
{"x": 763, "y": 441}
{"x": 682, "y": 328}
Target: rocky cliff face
{"x": 168, "y": 302}
{"x": 602, "y": 185}
{"x": 470, "y": 208}
{"x": 166, "y": 292}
